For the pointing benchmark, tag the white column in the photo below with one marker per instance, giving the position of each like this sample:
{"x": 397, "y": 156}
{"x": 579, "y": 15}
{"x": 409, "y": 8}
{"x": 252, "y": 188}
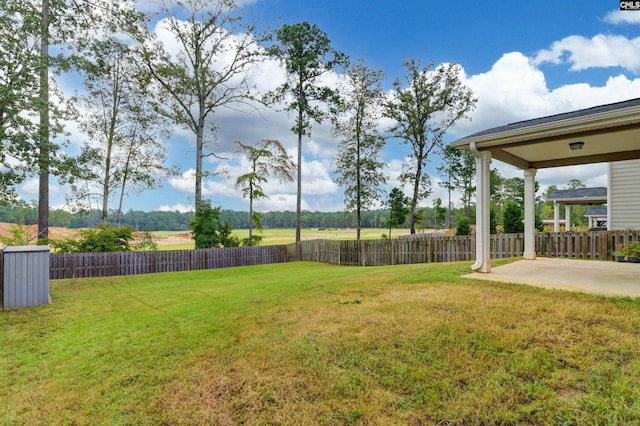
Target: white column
{"x": 567, "y": 217}
{"x": 530, "y": 214}
{"x": 556, "y": 217}
{"x": 483, "y": 200}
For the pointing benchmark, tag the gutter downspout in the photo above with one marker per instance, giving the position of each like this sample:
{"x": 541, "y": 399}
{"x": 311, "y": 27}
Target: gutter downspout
{"x": 483, "y": 160}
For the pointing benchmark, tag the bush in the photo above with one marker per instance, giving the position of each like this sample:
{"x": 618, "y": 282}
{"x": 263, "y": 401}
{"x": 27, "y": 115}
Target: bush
{"x": 512, "y": 218}
{"x": 96, "y": 240}
{"x": 463, "y": 227}
{"x": 208, "y": 231}
{"x": 493, "y": 222}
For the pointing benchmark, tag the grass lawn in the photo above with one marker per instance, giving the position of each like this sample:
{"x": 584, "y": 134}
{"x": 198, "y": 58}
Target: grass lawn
{"x": 176, "y": 240}
{"x": 309, "y": 343}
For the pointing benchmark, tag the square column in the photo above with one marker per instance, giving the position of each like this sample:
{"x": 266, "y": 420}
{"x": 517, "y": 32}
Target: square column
{"x": 483, "y": 200}
{"x": 530, "y": 214}
{"x": 556, "y": 217}
{"x": 567, "y": 217}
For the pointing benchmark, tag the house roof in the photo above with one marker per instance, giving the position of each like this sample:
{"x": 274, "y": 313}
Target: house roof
{"x": 597, "y": 212}
{"x": 582, "y": 196}
{"x": 609, "y": 132}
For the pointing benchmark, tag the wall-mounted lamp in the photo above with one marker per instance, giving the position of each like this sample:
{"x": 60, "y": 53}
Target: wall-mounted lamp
{"x": 576, "y": 146}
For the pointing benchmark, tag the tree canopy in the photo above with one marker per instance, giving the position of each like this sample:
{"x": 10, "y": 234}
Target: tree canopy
{"x": 359, "y": 167}
{"x": 423, "y": 108}
{"x": 307, "y": 54}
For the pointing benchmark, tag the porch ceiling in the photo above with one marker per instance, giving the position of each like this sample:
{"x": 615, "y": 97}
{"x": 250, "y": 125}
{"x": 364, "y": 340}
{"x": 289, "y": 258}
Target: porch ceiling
{"x": 609, "y": 133}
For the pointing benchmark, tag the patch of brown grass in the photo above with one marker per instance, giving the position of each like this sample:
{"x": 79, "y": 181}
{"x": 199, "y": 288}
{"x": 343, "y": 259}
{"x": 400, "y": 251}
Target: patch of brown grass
{"x": 472, "y": 353}
{"x": 307, "y": 343}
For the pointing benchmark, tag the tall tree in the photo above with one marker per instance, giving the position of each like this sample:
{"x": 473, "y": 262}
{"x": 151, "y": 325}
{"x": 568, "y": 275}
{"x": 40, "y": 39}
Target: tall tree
{"x": 307, "y": 55}
{"x": 447, "y": 170}
{"x": 125, "y": 150}
{"x": 267, "y": 158}
{"x": 44, "y": 148}
{"x": 496, "y": 191}
{"x": 358, "y": 164}
{"x": 423, "y": 111}
{"x": 65, "y": 24}
{"x": 398, "y": 209}
{"x": 439, "y": 213}
{"x": 575, "y": 184}
{"x": 459, "y": 168}
{"x": 210, "y": 70}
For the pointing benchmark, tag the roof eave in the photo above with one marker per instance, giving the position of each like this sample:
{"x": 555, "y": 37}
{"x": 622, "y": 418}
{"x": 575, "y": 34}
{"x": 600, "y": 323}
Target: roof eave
{"x": 579, "y": 200}
{"x": 555, "y": 129}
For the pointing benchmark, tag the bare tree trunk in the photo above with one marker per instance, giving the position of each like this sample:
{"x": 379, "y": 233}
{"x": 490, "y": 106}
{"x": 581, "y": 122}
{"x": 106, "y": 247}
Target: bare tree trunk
{"x": 199, "y": 149}
{"x": 250, "y": 214}
{"x": 299, "y": 183}
{"x": 124, "y": 183}
{"x": 44, "y": 150}
{"x": 449, "y": 205}
{"x": 110, "y": 141}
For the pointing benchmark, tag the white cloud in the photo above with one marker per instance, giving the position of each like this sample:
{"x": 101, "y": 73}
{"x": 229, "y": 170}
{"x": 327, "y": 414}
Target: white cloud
{"x": 515, "y": 89}
{"x": 512, "y": 90}
{"x": 590, "y": 175}
{"x": 601, "y": 51}
{"x": 279, "y": 202}
{"x": 176, "y": 207}
{"x": 30, "y": 187}
{"x": 185, "y": 183}
{"x": 618, "y": 17}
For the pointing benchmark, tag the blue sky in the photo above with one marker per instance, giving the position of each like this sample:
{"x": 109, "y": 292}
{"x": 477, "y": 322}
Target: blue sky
{"x": 522, "y": 60}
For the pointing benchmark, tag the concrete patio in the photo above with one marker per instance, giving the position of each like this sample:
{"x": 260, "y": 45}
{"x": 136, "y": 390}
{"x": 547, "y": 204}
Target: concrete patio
{"x": 591, "y": 276}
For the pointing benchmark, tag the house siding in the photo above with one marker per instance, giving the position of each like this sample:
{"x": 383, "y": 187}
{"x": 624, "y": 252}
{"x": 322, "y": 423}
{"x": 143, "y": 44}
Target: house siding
{"x": 624, "y": 192}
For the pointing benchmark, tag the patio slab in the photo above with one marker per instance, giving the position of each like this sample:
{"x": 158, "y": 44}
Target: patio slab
{"x": 591, "y": 276}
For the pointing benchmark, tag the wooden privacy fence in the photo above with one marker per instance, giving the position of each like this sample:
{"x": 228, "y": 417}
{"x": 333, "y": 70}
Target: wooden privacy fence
{"x": 388, "y": 252}
{"x": 86, "y": 265}
{"x": 584, "y": 245}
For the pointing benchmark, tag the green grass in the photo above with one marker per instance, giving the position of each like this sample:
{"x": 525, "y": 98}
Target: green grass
{"x": 283, "y": 236}
{"x": 309, "y": 343}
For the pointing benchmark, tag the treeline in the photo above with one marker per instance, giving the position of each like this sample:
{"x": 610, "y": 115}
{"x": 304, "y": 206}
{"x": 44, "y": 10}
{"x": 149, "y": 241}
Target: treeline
{"x": 180, "y": 221}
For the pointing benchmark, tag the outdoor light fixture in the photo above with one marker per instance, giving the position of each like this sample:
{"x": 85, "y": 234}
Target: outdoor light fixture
{"x": 576, "y": 146}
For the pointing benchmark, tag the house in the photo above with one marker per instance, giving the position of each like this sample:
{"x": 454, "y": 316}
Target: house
{"x": 624, "y": 197}
{"x": 575, "y": 197}
{"x": 597, "y": 217}
{"x": 602, "y": 134}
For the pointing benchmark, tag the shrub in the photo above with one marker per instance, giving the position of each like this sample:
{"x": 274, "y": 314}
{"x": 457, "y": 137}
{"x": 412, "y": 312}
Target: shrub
{"x": 96, "y": 240}
{"x": 208, "y": 231}
{"x": 463, "y": 227}
{"x": 512, "y": 218}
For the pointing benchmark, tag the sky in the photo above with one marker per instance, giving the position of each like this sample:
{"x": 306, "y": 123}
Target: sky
{"x": 522, "y": 60}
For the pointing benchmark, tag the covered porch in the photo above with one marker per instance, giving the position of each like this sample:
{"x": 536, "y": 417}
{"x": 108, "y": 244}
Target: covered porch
{"x": 600, "y": 134}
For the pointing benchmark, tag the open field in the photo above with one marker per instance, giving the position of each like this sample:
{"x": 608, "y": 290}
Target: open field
{"x": 180, "y": 240}
{"x": 309, "y": 343}
{"x": 54, "y": 232}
